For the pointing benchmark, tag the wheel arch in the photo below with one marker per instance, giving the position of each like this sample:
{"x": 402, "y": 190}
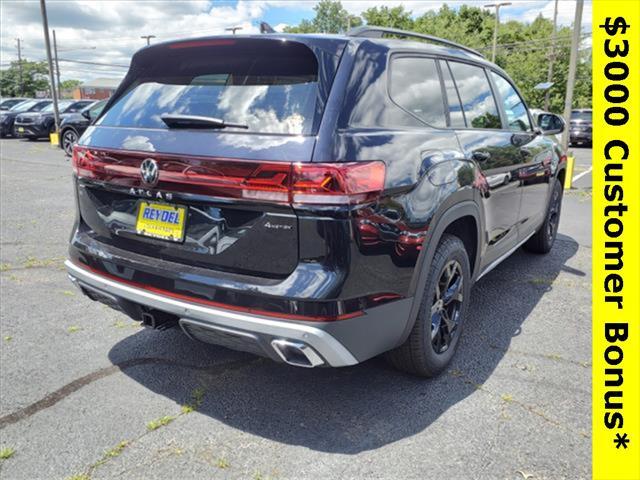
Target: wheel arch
{"x": 463, "y": 220}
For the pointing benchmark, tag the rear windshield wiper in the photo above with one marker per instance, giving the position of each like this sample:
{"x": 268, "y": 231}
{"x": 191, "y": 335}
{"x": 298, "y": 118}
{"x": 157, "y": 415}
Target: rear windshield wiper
{"x": 194, "y": 121}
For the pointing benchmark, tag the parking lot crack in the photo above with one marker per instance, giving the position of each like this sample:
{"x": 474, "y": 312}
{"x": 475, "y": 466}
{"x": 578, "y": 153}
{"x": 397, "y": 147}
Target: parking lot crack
{"x": 75, "y": 385}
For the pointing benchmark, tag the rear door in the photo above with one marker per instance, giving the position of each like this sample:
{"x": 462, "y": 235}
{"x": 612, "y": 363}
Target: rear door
{"x": 535, "y": 151}
{"x": 482, "y": 138}
{"x": 224, "y": 188}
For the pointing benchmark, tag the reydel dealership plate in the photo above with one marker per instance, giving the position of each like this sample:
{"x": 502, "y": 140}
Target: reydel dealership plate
{"x": 161, "y": 220}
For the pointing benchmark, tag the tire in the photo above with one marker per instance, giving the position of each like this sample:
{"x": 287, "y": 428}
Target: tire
{"x": 68, "y": 140}
{"x": 542, "y": 241}
{"x": 427, "y": 351}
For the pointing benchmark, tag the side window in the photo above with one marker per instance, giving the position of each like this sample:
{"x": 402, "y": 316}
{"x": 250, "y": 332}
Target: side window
{"x": 514, "y": 107}
{"x": 475, "y": 93}
{"x": 415, "y": 86}
{"x": 456, "y": 117}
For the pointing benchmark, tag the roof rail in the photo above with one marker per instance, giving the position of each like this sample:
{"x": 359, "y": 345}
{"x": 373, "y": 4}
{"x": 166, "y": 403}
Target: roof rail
{"x": 371, "y": 31}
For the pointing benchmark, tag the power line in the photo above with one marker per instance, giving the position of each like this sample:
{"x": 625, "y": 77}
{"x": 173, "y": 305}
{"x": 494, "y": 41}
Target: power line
{"x": 93, "y": 63}
{"x": 561, "y": 38}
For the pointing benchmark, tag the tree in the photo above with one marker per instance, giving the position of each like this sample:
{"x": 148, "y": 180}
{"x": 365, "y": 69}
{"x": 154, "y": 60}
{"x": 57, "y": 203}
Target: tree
{"x": 396, "y": 17}
{"x": 70, "y": 84}
{"x": 34, "y": 78}
{"x": 331, "y": 17}
{"x": 523, "y": 48}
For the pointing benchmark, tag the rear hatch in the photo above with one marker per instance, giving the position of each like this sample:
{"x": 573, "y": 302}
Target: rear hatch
{"x": 191, "y": 160}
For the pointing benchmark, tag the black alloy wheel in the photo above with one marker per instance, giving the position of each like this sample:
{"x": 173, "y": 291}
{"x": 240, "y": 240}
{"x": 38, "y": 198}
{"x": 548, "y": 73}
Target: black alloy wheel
{"x": 69, "y": 139}
{"x": 446, "y": 307}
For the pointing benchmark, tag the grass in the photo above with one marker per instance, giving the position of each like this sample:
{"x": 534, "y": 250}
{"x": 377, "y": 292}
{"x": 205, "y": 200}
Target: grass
{"x": 117, "y": 450}
{"x": 81, "y": 476}
{"x": 73, "y": 329}
{"x": 33, "y": 262}
{"x": 160, "y": 422}
{"x": 8, "y": 338}
{"x": 197, "y": 397}
{"x": 6, "y": 453}
{"x": 222, "y": 463}
{"x": 68, "y": 293}
{"x": 553, "y": 356}
{"x": 506, "y": 397}
{"x": 4, "y": 267}
{"x": 109, "y": 454}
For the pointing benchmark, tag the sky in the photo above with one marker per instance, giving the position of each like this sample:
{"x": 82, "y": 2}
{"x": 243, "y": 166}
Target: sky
{"x": 108, "y": 32}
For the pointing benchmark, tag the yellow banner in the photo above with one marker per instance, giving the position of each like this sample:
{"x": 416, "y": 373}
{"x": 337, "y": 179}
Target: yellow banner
{"x": 616, "y": 239}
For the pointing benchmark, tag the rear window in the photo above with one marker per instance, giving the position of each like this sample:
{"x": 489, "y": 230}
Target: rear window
{"x": 581, "y": 115}
{"x": 274, "y": 90}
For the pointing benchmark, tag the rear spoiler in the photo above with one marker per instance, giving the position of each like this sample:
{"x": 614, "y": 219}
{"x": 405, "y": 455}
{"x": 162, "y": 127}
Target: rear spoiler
{"x": 327, "y": 50}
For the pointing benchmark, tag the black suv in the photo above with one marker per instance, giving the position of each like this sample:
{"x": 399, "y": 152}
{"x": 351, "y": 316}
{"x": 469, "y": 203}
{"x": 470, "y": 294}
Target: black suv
{"x": 580, "y": 132}
{"x": 74, "y": 125}
{"x": 315, "y": 199}
{"x": 8, "y": 117}
{"x": 34, "y": 125}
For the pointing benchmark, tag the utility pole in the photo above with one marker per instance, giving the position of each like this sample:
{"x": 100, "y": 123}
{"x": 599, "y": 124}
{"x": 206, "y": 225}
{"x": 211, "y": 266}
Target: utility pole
{"x": 232, "y": 29}
{"x": 20, "y": 67}
{"x": 45, "y": 26}
{"x": 55, "y": 52}
{"x": 571, "y": 78}
{"x": 148, "y": 37}
{"x": 552, "y": 56}
{"x": 495, "y": 29}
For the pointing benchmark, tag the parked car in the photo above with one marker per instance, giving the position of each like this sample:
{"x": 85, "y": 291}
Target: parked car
{"x": 8, "y": 117}
{"x": 34, "y": 125}
{"x": 580, "y": 131}
{"x": 548, "y": 121}
{"x": 73, "y": 125}
{"x": 315, "y": 199}
{"x": 7, "y": 103}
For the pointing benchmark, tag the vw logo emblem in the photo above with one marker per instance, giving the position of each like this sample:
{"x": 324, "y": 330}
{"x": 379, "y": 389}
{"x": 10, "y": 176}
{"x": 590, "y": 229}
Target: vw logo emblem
{"x": 149, "y": 171}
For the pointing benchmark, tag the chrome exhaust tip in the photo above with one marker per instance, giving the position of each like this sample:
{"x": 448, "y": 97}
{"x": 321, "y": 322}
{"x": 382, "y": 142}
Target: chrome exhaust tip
{"x": 296, "y": 353}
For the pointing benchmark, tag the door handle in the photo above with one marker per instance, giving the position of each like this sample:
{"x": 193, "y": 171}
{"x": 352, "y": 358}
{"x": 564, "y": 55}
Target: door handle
{"x": 481, "y": 156}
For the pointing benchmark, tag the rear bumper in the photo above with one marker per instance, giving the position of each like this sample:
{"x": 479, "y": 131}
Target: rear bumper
{"x": 337, "y": 344}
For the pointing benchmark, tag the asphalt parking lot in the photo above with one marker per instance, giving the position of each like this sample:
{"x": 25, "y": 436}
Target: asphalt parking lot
{"x": 86, "y": 391}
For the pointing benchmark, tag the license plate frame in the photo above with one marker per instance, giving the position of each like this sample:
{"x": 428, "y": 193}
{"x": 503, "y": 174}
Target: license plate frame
{"x": 166, "y": 229}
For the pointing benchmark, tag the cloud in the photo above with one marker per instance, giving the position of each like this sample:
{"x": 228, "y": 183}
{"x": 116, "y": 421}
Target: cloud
{"x": 114, "y": 27}
{"x": 528, "y": 11}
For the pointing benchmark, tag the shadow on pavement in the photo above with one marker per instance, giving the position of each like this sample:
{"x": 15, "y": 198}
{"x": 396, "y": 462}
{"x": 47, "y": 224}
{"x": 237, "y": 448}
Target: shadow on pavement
{"x": 353, "y": 409}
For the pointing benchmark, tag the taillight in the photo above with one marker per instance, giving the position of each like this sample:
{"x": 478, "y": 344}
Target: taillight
{"x": 336, "y": 183}
{"x": 280, "y": 182}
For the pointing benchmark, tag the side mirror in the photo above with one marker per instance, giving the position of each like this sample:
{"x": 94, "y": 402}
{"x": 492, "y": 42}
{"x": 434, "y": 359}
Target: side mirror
{"x": 550, "y": 123}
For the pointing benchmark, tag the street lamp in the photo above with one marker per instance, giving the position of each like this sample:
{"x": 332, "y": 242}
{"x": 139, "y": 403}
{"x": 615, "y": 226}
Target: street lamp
{"x": 232, "y": 29}
{"x": 148, "y": 37}
{"x": 495, "y": 30}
